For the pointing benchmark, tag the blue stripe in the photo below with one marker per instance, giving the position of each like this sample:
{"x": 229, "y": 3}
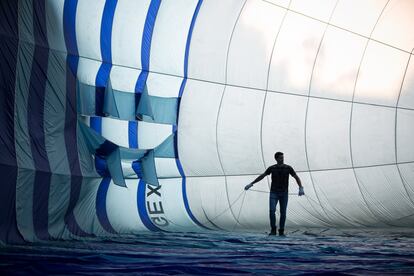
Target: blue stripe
{"x": 72, "y": 61}
{"x": 133, "y": 134}
{"x": 106, "y": 49}
{"x": 9, "y": 232}
{"x": 35, "y": 114}
{"x": 183, "y": 83}
{"x": 96, "y": 124}
{"x": 101, "y": 205}
{"x": 142, "y": 208}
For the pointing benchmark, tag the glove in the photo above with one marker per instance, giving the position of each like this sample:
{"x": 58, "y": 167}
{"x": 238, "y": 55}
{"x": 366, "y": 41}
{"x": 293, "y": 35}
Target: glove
{"x": 301, "y": 191}
{"x": 248, "y": 186}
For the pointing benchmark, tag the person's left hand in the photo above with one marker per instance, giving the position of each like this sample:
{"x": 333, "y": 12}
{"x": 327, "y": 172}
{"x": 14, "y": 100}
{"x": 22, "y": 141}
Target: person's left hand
{"x": 301, "y": 191}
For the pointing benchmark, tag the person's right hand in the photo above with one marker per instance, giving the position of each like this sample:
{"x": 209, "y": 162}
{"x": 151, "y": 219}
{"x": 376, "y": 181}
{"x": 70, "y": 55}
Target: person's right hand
{"x": 301, "y": 191}
{"x": 248, "y": 186}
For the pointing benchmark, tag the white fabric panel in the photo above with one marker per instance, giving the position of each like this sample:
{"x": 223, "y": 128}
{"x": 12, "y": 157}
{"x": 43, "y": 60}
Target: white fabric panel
{"x": 198, "y": 190}
{"x": 197, "y": 144}
{"x": 251, "y": 208}
{"x": 85, "y": 209}
{"x": 87, "y": 71}
{"x": 173, "y": 204}
{"x": 170, "y": 36}
{"x": 166, "y": 167}
{"x": 88, "y": 28}
{"x": 319, "y": 9}
{"x": 151, "y": 135}
{"x": 395, "y": 25}
{"x": 123, "y": 78}
{"x": 327, "y": 134}
{"x": 385, "y": 193}
{"x": 283, "y": 3}
{"x": 407, "y": 91}
{"x": 347, "y": 207}
{"x": 238, "y": 131}
{"x": 59, "y": 195}
{"x": 405, "y": 135}
{"x": 163, "y": 85}
{"x": 54, "y": 24}
{"x": 294, "y": 54}
{"x": 121, "y": 208}
{"x": 127, "y": 30}
{"x": 380, "y": 75}
{"x": 210, "y": 39}
{"x": 284, "y": 129}
{"x": 24, "y": 204}
{"x": 127, "y": 169}
{"x": 214, "y": 202}
{"x": 372, "y": 135}
{"x": 252, "y": 43}
{"x": 358, "y": 16}
{"x": 337, "y": 64}
{"x": 304, "y": 210}
{"x": 407, "y": 174}
{"x": 115, "y": 131}
{"x": 25, "y": 21}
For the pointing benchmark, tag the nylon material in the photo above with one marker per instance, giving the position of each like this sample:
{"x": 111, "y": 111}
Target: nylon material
{"x": 60, "y": 186}
{"x": 101, "y": 205}
{"x": 115, "y": 168}
{"x": 239, "y": 130}
{"x": 22, "y": 142}
{"x": 252, "y": 42}
{"x": 173, "y": 206}
{"x": 149, "y": 171}
{"x": 407, "y": 90}
{"x": 196, "y": 128}
{"x": 87, "y": 71}
{"x": 347, "y": 208}
{"x": 124, "y": 79}
{"x": 54, "y": 24}
{"x": 405, "y": 135}
{"x": 151, "y": 135}
{"x": 336, "y": 69}
{"x": 24, "y": 204}
{"x": 164, "y": 110}
{"x": 284, "y": 114}
{"x": 9, "y": 231}
{"x": 8, "y": 16}
{"x": 372, "y": 131}
{"x": 378, "y": 190}
{"x": 121, "y": 208}
{"x": 163, "y": 85}
{"x": 320, "y": 9}
{"x": 147, "y": 33}
{"x": 193, "y": 191}
{"x": 393, "y": 31}
{"x": 25, "y": 19}
{"x": 133, "y": 134}
{"x": 380, "y": 76}
{"x": 88, "y": 21}
{"x": 128, "y": 26}
{"x": 210, "y": 39}
{"x": 128, "y": 170}
{"x": 85, "y": 99}
{"x": 167, "y": 148}
{"x": 55, "y": 105}
{"x": 166, "y": 167}
{"x": 407, "y": 175}
{"x": 142, "y": 208}
{"x": 171, "y": 28}
{"x": 328, "y": 134}
{"x": 115, "y": 131}
{"x": 293, "y": 55}
{"x": 363, "y": 18}
{"x": 251, "y": 213}
{"x": 85, "y": 210}
{"x": 214, "y": 202}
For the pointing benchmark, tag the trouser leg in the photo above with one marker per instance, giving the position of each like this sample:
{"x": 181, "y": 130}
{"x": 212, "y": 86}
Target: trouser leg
{"x": 272, "y": 210}
{"x": 283, "y": 207}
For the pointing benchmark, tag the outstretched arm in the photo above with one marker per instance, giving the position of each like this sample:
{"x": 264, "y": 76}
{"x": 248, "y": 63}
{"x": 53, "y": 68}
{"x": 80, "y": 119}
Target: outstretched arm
{"x": 260, "y": 177}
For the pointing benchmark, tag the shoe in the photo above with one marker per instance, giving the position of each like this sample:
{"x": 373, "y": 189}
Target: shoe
{"x": 272, "y": 232}
{"x": 281, "y": 232}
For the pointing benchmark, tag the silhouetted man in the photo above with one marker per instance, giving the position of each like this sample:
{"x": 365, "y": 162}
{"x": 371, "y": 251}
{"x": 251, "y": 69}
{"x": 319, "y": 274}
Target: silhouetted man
{"x": 278, "y": 191}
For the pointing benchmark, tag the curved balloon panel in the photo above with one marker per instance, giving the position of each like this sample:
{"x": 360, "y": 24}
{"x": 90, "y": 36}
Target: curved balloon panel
{"x": 125, "y": 116}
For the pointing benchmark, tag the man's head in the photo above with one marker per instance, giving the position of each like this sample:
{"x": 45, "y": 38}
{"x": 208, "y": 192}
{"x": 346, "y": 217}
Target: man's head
{"x": 279, "y": 157}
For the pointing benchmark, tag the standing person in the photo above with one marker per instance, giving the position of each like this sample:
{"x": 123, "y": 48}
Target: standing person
{"x": 279, "y": 190}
